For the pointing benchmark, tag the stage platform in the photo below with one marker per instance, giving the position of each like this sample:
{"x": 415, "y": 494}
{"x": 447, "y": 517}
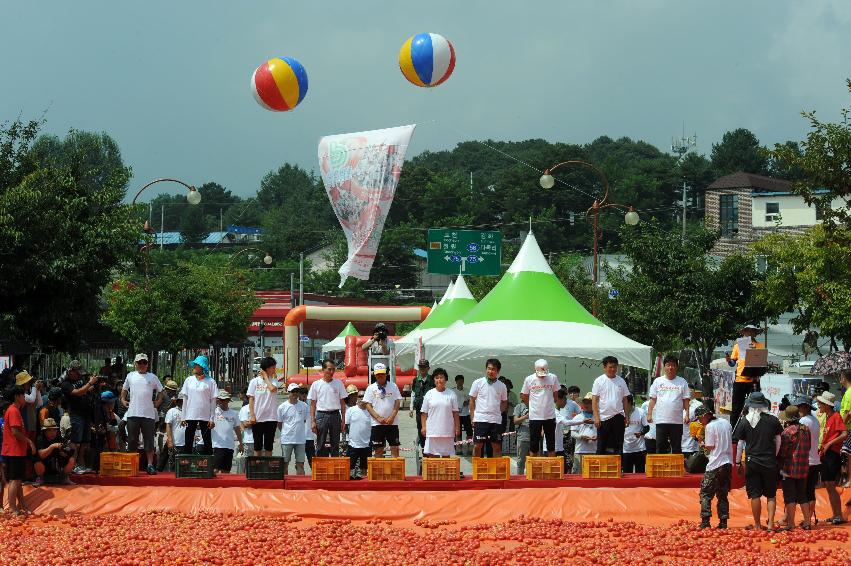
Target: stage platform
{"x": 413, "y": 483}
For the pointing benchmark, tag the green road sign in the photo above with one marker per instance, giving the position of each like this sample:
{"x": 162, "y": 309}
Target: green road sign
{"x": 465, "y": 252}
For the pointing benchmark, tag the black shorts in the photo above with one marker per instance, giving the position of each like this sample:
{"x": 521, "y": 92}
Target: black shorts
{"x": 831, "y": 464}
{"x": 15, "y": 466}
{"x": 264, "y": 435}
{"x": 812, "y": 481}
{"x": 487, "y": 432}
{"x": 761, "y": 481}
{"x": 794, "y": 491}
{"x": 548, "y": 427}
{"x": 384, "y": 434}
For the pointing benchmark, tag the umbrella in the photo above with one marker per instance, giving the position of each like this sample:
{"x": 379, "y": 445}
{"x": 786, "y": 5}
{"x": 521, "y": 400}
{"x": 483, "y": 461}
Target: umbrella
{"x": 832, "y": 363}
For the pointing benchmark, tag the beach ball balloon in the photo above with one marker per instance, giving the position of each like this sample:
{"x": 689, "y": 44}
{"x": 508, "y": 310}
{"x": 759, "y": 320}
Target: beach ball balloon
{"x": 279, "y": 84}
{"x": 427, "y": 59}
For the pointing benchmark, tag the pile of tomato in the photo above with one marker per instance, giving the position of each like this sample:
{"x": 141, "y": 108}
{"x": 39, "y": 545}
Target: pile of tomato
{"x": 163, "y": 537}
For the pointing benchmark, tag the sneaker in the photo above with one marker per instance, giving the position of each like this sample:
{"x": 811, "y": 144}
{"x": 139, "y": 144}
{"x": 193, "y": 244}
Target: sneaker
{"x": 78, "y": 470}
{"x": 152, "y": 471}
{"x": 39, "y": 481}
{"x": 722, "y": 525}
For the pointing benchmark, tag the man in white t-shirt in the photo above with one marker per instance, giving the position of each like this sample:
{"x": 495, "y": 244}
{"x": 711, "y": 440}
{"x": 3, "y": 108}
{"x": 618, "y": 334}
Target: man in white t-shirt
{"x": 292, "y": 416}
{"x": 608, "y": 393}
{"x": 309, "y": 435}
{"x": 226, "y": 431}
{"x": 669, "y": 401}
{"x": 358, "y": 433}
{"x": 539, "y": 394}
{"x": 650, "y": 437}
{"x": 382, "y": 400}
{"x": 634, "y": 449}
{"x": 175, "y": 431}
{"x": 805, "y": 408}
{"x": 463, "y": 411}
{"x": 327, "y": 410}
{"x": 718, "y": 441}
{"x": 488, "y": 399}
{"x": 142, "y": 394}
{"x": 247, "y": 435}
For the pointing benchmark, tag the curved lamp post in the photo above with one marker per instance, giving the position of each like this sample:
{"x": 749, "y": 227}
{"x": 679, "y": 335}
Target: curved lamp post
{"x": 547, "y": 181}
{"x": 267, "y": 259}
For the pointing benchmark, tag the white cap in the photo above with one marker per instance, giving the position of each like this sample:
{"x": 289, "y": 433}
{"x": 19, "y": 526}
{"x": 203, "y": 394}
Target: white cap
{"x": 379, "y": 368}
{"x": 293, "y": 387}
{"x": 541, "y": 368}
{"x": 141, "y": 357}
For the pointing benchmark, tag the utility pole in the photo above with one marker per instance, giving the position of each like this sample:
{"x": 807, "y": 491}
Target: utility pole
{"x": 681, "y": 147}
{"x": 162, "y": 222}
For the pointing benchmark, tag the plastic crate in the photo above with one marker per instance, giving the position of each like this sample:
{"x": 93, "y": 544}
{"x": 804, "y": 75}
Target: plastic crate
{"x": 194, "y": 466}
{"x": 386, "y": 469}
{"x": 594, "y": 466}
{"x": 265, "y": 468}
{"x": 329, "y": 468}
{"x": 119, "y": 464}
{"x": 544, "y": 467}
{"x": 665, "y": 466}
{"x": 492, "y": 468}
{"x": 441, "y": 469}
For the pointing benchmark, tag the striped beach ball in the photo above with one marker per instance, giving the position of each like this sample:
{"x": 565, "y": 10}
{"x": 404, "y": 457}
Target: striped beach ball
{"x": 279, "y": 84}
{"x": 427, "y": 59}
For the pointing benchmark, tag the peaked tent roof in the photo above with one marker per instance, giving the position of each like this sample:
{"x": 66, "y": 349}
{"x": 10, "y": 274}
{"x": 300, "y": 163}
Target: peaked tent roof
{"x": 455, "y": 303}
{"x": 338, "y": 344}
{"x": 528, "y": 315}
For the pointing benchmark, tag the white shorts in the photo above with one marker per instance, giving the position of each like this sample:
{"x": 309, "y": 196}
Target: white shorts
{"x": 439, "y": 445}
{"x": 288, "y": 450}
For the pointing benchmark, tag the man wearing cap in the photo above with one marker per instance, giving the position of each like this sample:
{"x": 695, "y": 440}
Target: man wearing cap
{"x": 382, "y": 399}
{"x": 608, "y": 392}
{"x": 327, "y": 411}
{"x": 55, "y": 462}
{"x": 831, "y": 445}
{"x": 293, "y": 414}
{"x": 77, "y": 392}
{"x": 539, "y": 393}
{"x": 757, "y": 435}
{"x": 141, "y": 395}
{"x": 718, "y": 443}
{"x": 358, "y": 433}
{"x": 423, "y": 382}
{"x": 225, "y": 432}
{"x": 488, "y": 400}
{"x": 795, "y": 442}
{"x": 744, "y": 384}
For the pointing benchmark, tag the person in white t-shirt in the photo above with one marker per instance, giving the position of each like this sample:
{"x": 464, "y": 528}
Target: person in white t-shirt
{"x": 650, "y": 437}
{"x": 634, "y": 450}
{"x": 247, "y": 436}
{"x": 293, "y": 414}
{"x": 142, "y": 394}
{"x": 805, "y": 409}
{"x": 669, "y": 401}
{"x": 175, "y": 431}
{"x": 199, "y": 404}
{"x": 440, "y": 421}
{"x": 584, "y": 433}
{"x": 263, "y": 406}
{"x": 688, "y": 442}
{"x": 309, "y": 435}
{"x": 539, "y": 393}
{"x": 382, "y": 400}
{"x": 488, "y": 400}
{"x": 226, "y": 431}
{"x": 358, "y": 433}
{"x": 327, "y": 410}
{"x": 463, "y": 411}
{"x": 608, "y": 392}
{"x": 718, "y": 441}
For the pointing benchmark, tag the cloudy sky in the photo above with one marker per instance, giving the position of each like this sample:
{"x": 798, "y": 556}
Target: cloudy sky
{"x": 169, "y": 80}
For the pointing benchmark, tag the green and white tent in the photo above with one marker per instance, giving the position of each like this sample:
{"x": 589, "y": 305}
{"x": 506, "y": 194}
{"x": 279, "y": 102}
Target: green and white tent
{"x": 338, "y": 344}
{"x": 530, "y": 315}
{"x": 455, "y": 303}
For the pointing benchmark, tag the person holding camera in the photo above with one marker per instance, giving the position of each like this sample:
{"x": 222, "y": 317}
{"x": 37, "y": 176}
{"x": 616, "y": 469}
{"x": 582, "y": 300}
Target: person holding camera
{"x": 78, "y": 392}
{"x": 381, "y": 349}
{"x": 55, "y": 458}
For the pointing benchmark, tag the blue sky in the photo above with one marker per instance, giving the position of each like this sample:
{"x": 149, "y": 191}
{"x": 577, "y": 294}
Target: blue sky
{"x": 169, "y": 80}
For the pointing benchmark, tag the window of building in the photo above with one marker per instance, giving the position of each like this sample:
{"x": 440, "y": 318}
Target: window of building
{"x": 729, "y": 215}
{"x": 772, "y": 211}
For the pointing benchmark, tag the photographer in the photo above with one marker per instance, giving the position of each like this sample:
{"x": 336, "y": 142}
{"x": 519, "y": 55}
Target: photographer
{"x": 78, "y": 392}
{"x": 55, "y": 459}
{"x": 379, "y": 344}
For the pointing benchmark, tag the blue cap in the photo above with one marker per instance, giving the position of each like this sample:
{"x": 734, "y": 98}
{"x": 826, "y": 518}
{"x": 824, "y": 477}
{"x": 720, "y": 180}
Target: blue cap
{"x": 107, "y": 396}
{"x": 202, "y": 362}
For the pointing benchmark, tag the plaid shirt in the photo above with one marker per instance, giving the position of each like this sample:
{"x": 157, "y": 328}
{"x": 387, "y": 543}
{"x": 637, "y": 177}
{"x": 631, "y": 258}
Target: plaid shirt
{"x": 794, "y": 451}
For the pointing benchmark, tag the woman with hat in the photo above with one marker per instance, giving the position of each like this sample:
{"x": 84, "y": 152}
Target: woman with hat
{"x": 227, "y": 430}
{"x": 830, "y": 451}
{"x": 358, "y": 428}
{"x": 55, "y": 461}
{"x": 744, "y": 384}
{"x": 199, "y": 393}
{"x": 440, "y": 421}
{"x": 263, "y": 407}
{"x": 794, "y": 457}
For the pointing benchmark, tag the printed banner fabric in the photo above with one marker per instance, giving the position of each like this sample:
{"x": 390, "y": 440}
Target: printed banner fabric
{"x": 360, "y": 172}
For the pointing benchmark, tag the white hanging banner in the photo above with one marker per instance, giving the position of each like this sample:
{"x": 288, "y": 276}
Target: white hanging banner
{"x": 360, "y": 172}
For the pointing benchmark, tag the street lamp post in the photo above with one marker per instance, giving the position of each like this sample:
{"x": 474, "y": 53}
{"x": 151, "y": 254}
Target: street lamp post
{"x": 547, "y": 181}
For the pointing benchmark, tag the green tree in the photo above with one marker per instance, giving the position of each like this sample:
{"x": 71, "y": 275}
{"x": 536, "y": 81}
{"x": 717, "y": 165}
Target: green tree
{"x": 193, "y": 226}
{"x": 809, "y": 275}
{"x": 824, "y": 159}
{"x": 63, "y": 230}
{"x": 739, "y": 150}
{"x": 673, "y": 294}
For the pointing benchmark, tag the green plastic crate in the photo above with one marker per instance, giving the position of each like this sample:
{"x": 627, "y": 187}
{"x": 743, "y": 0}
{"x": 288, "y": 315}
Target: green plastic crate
{"x": 265, "y": 468}
{"x": 194, "y": 466}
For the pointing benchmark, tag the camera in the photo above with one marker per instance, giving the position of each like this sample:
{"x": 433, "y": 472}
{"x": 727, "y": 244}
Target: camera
{"x": 381, "y": 334}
